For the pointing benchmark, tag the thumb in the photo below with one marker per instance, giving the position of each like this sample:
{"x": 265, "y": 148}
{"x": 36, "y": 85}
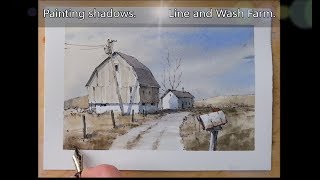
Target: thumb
{"x": 103, "y": 170}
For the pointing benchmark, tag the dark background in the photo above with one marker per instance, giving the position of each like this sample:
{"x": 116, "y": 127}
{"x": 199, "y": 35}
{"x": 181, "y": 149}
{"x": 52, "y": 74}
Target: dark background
{"x": 20, "y": 136}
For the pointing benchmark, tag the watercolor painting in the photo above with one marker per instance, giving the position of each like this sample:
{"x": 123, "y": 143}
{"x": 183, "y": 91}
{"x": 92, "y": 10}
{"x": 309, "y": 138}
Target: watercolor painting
{"x": 159, "y": 88}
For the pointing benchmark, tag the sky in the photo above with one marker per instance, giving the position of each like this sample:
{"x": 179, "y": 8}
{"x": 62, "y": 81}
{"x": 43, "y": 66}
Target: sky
{"x": 215, "y": 61}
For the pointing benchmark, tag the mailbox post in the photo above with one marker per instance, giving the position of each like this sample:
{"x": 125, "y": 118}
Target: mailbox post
{"x": 213, "y": 137}
{"x": 213, "y": 122}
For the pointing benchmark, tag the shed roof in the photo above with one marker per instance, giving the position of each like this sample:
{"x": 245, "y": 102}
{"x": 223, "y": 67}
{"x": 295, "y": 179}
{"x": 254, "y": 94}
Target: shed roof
{"x": 145, "y": 76}
{"x": 179, "y": 94}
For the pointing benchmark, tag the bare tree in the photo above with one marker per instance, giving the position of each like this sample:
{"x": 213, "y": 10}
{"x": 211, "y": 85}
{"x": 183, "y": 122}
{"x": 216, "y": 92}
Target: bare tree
{"x": 171, "y": 77}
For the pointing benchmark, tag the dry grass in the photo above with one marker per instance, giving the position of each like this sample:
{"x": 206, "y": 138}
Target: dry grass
{"x": 242, "y": 140}
{"x": 100, "y": 131}
{"x": 238, "y": 134}
{"x": 193, "y": 137}
{"x": 227, "y": 101}
{"x": 78, "y": 102}
{"x": 97, "y": 140}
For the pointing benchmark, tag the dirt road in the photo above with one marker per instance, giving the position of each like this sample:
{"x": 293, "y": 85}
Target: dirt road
{"x": 159, "y": 134}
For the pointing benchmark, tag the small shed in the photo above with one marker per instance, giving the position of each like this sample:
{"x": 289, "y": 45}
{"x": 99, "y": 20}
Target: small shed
{"x": 174, "y": 99}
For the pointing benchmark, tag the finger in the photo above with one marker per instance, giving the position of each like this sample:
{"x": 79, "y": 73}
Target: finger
{"x": 103, "y": 170}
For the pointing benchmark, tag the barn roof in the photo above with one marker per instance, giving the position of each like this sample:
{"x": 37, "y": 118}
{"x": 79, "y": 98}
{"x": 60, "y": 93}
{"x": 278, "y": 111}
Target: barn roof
{"x": 145, "y": 76}
{"x": 179, "y": 94}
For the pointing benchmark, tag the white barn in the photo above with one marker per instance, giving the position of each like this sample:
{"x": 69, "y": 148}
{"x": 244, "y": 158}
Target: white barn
{"x": 174, "y": 99}
{"x": 137, "y": 86}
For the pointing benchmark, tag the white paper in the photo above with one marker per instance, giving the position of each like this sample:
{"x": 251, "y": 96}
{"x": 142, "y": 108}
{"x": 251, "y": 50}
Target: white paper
{"x": 55, "y": 158}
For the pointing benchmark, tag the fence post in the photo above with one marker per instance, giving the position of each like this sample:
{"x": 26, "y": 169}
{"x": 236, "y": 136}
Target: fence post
{"x": 84, "y": 127}
{"x": 113, "y": 121}
{"x": 132, "y": 117}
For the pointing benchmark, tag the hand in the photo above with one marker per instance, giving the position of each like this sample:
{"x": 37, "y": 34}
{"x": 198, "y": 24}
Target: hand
{"x": 103, "y": 170}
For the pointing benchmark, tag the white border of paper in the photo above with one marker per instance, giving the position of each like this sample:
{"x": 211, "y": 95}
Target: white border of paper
{"x": 55, "y": 158}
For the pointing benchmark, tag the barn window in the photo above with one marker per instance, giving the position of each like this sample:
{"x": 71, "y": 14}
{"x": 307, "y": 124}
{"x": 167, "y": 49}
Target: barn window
{"x": 116, "y": 67}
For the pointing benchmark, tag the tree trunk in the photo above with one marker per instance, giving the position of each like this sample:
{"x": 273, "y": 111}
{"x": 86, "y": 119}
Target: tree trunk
{"x": 117, "y": 85}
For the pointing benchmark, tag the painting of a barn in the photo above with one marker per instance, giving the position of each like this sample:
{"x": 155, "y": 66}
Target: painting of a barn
{"x": 170, "y": 90}
{"x": 121, "y": 81}
{"x": 174, "y": 99}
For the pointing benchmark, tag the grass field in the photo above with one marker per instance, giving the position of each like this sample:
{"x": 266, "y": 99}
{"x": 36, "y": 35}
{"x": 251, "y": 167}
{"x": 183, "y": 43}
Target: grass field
{"x": 99, "y": 129}
{"x": 236, "y": 135}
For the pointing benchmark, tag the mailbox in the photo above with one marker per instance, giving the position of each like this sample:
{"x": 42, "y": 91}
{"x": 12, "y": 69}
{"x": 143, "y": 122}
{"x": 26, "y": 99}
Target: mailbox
{"x": 213, "y": 119}
{"x": 213, "y": 122}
